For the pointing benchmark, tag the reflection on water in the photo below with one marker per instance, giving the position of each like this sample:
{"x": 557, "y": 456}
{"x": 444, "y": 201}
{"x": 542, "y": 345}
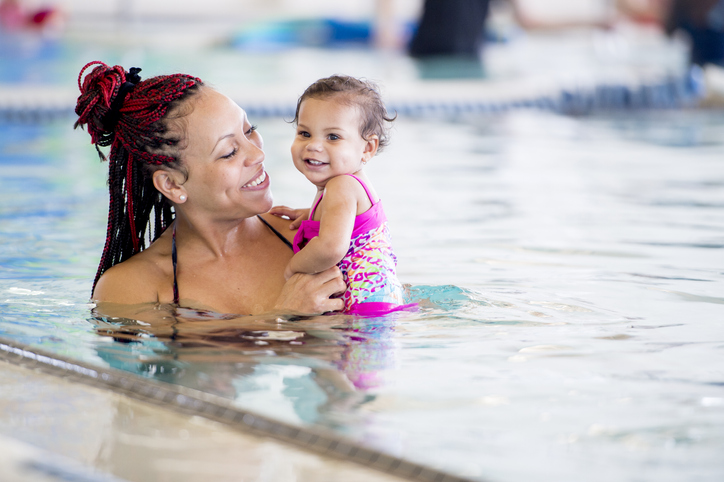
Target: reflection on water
{"x": 569, "y": 273}
{"x": 298, "y": 369}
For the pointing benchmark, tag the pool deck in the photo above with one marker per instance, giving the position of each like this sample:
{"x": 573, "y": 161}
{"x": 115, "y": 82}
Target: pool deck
{"x": 54, "y": 429}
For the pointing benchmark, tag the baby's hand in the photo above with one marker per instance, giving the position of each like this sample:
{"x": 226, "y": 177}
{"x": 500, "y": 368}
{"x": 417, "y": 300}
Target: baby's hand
{"x": 288, "y": 272}
{"x": 295, "y": 215}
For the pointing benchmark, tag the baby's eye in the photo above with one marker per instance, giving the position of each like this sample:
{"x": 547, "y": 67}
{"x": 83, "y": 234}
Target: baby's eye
{"x": 231, "y": 154}
{"x": 303, "y": 134}
{"x": 250, "y": 131}
{"x": 333, "y": 137}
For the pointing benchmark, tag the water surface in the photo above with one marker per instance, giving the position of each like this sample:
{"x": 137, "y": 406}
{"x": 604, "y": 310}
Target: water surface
{"x": 570, "y": 273}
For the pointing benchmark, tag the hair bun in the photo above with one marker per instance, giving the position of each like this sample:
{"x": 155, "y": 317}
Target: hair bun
{"x": 97, "y": 91}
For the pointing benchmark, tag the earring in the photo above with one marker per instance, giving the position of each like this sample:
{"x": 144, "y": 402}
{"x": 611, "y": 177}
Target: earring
{"x": 182, "y": 197}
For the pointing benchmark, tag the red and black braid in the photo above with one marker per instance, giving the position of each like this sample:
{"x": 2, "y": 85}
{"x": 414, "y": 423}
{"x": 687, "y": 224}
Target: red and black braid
{"x": 139, "y": 142}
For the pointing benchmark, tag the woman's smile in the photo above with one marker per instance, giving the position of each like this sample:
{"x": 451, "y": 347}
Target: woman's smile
{"x": 260, "y": 181}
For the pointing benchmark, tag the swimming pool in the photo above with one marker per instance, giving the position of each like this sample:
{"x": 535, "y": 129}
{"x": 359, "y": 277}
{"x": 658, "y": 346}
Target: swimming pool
{"x": 570, "y": 272}
{"x": 573, "y": 268}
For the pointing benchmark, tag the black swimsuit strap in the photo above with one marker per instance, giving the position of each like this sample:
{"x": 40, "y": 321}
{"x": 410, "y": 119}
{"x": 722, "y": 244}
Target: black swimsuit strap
{"x": 174, "y": 256}
{"x": 279, "y": 235}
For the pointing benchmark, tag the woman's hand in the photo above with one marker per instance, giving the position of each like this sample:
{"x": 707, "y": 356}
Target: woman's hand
{"x": 310, "y": 294}
{"x": 295, "y": 215}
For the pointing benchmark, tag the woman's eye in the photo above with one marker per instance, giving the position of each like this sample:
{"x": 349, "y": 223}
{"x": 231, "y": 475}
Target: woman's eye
{"x": 251, "y": 129}
{"x": 231, "y": 154}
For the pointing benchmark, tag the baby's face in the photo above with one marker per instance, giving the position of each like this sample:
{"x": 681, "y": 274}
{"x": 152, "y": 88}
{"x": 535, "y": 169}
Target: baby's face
{"x": 328, "y": 142}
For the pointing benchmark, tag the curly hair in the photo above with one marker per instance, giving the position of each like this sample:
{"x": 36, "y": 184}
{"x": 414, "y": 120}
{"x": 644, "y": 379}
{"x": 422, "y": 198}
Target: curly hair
{"x": 360, "y": 93}
{"x": 134, "y": 118}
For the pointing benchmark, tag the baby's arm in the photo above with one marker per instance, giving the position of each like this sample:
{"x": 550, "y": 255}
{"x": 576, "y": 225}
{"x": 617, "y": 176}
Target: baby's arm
{"x": 338, "y": 209}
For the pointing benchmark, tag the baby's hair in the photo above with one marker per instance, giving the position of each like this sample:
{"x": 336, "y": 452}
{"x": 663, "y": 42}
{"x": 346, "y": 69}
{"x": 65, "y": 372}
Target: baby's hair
{"x": 360, "y": 93}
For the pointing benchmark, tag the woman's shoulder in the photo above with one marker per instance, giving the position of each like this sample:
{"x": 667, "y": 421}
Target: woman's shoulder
{"x": 139, "y": 279}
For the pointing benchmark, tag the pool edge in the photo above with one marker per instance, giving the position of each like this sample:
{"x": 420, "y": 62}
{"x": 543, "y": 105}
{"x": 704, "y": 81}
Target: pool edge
{"x": 196, "y": 403}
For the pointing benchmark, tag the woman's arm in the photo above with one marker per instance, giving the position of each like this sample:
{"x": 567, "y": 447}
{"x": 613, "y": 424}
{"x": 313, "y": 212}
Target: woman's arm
{"x": 338, "y": 209}
{"x": 302, "y": 294}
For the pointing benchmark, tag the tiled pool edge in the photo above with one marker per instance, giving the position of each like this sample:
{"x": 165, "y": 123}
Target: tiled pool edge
{"x": 194, "y": 402}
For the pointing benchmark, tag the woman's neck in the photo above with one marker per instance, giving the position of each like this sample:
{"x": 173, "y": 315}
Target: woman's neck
{"x": 217, "y": 239}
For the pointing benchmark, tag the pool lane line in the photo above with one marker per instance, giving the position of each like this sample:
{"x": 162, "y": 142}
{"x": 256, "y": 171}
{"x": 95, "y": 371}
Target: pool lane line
{"x": 197, "y": 403}
{"x": 665, "y": 91}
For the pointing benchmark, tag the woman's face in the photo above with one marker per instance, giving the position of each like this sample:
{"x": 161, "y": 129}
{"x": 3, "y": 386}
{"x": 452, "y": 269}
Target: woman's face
{"x": 224, "y": 159}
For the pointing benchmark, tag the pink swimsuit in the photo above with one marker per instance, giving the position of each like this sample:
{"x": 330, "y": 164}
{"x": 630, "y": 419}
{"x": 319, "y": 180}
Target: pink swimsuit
{"x": 369, "y": 267}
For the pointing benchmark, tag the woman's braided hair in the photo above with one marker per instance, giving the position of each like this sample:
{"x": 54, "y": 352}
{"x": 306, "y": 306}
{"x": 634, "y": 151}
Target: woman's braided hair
{"x": 130, "y": 115}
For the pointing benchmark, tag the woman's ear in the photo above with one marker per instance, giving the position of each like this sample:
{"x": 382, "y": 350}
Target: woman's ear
{"x": 167, "y": 184}
{"x": 373, "y": 142}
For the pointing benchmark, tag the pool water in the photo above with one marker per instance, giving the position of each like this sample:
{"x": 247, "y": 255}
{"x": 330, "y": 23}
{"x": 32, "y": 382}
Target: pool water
{"x": 570, "y": 273}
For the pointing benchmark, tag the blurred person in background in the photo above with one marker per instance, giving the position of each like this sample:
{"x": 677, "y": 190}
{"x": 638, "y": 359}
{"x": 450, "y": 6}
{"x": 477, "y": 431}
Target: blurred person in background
{"x": 451, "y": 34}
{"x": 12, "y": 16}
{"x": 651, "y": 12}
{"x": 702, "y": 21}
{"x": 449, "y": 37}
{"x": 15, "y": 17}
{"x": 450, "y": 28}
{"x": 701, "y": 24}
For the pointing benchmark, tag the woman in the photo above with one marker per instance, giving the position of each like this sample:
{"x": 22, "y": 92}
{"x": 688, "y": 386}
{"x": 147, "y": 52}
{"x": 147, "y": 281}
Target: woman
{"x": 184, "y": 157}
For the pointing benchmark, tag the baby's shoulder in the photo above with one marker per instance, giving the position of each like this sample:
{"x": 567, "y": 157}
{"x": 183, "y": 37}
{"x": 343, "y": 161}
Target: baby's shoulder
{"x": 346, "y": 190}
{"x": 346, "y": 184}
